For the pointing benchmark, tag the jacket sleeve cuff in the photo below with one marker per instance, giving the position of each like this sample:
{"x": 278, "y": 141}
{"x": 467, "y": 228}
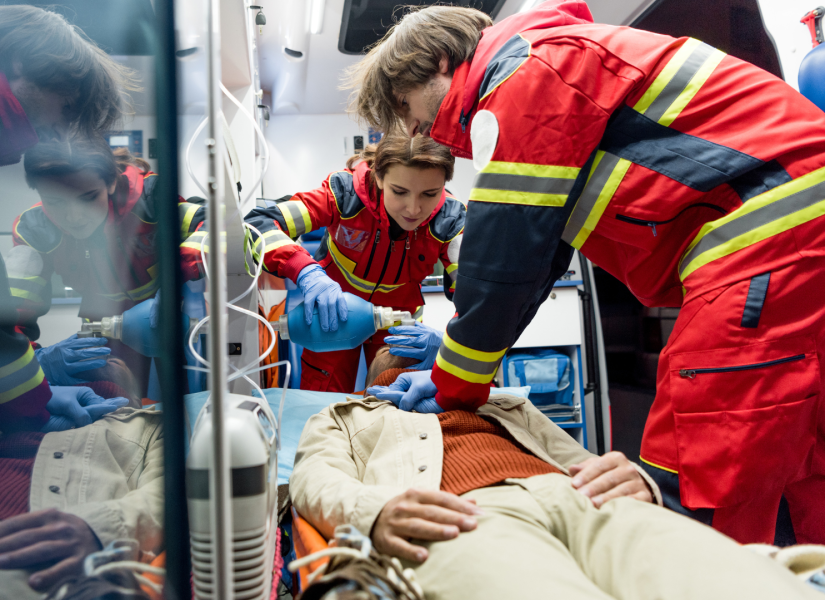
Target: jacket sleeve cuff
{"x": 654, "y": 488}
{"x": 296, "y": 263}
{"x": 369, "y": 505}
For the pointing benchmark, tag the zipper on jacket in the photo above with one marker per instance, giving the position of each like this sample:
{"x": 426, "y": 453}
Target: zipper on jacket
{"x": 403, "y": 258}
{"x": 372, "y": 252}
{"x": 383, "y": 270}
{"x": 691, "y": 373}
{"x": 326, "y": 373}
{"x": 653, "y": 224}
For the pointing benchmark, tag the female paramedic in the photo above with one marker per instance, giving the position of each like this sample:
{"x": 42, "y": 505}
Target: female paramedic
{"x": 95, "y": 227}
{"x": 388, "y": 221}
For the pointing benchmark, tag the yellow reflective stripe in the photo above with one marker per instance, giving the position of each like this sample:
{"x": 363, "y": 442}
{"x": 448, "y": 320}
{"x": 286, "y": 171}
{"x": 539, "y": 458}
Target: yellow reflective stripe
{"x": 263, "y": 242}
{"x": 664, "y": 77}
{"x": 478, "y": 355}
{"x": 194, "y": 241}
{"x": 692, "y": 88}
{"x": 450, "y": 268}
{"x": 25, "y": 295}
{"x": 24, "y": 387}
{"x": 346, "y": 266}
{"x": 153, "y": 271}
{"x": 805, "y": 197}
{"x": 18, "y": 364}
{"x": 604, "y": 197}
{"x": 657, "y": 466}
{"x": 461, "y": 373}
{"x": 300, "y": 227}
{"x": 531, "y": 170}
{"x": 187, "y": 218}
{"x": 510, "y": 197}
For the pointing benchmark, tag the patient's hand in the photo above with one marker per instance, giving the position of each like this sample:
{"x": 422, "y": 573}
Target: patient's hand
{"x": 603, "y": 478}
{"x": 423, "y": 515}
{"x": 53, "y": 542}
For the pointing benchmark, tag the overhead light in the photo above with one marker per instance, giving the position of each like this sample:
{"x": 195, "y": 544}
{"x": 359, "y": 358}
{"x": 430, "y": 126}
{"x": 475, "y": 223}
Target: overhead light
{"x": 316, "y": 16}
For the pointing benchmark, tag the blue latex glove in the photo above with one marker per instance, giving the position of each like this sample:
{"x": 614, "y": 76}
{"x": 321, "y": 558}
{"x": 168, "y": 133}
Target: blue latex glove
{"x": 418, "y": 341}
{"x": 154, "y": 311}
{"x": 319, "y": 288}
{"x": 411, "y": 391}
{"x": 63, "y": 360}
{"x": 72, "y": 407}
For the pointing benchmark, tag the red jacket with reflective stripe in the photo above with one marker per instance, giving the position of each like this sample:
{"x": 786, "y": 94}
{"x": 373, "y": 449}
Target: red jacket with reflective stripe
{"x": 117, "y": 267}
{"x": 356, "y": 250}
{"x": 24, "y": 390}
{"x": 593, "y": 149}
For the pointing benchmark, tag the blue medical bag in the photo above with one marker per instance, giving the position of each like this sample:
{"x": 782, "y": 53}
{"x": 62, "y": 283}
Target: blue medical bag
{"x": 546, "y": 371}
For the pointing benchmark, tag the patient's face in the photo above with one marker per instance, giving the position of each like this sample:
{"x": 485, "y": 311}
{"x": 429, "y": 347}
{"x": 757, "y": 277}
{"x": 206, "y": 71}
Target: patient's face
{"x": 384, "y": 361}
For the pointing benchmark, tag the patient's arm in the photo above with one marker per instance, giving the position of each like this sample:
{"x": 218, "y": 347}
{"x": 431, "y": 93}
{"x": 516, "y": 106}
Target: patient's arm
{"x": 325, "y": 487}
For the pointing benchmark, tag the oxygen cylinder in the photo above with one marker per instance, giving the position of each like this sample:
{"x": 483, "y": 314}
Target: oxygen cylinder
{"x": 812, "y": 69}
{"x": 812, "y": 76}
{"x": 363, "y": 320}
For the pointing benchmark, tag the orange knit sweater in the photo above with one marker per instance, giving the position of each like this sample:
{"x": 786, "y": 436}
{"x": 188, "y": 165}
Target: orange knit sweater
{"x": 479, "y": 453}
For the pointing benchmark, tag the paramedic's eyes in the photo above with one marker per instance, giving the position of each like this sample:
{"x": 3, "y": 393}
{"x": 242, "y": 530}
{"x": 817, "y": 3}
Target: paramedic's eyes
{"x": 398, "y": 192}
{"x": 430, "y": 194}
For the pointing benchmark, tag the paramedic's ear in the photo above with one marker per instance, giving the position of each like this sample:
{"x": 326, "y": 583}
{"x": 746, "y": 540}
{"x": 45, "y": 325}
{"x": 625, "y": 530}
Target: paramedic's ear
{"x": 444, "y": 66}
{"x": 113, "y": 187}
{"x": 379, "y": 182}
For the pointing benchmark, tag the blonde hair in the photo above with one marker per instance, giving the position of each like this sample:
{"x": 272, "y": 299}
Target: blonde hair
{"x": 408, "y": 57}
{"x": 399, "y": 149}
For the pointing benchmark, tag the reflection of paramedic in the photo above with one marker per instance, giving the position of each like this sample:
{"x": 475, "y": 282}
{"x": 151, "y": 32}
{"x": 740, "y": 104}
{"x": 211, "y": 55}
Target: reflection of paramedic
{"x": 695, "y": 178}
{"x": 51, "y": 77}
{"x": 70, "y": 493}
{"x": 389, "y": 220}
{"x": 484, "y": 500}
{"x": 95, "y": 227}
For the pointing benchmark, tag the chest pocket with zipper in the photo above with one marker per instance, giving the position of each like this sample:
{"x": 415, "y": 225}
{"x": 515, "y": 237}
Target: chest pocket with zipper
{"x": 743, "y": 417}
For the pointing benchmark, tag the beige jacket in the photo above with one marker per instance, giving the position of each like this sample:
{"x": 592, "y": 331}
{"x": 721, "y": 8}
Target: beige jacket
{"x": 355, "y": 456}
{"x": 109, "y": 473}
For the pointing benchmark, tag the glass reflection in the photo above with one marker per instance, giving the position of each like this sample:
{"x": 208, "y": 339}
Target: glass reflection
{"x": 81, "y": 454}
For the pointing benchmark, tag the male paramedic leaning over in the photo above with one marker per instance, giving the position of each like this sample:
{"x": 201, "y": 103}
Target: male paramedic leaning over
{"x": 695, "y": 178}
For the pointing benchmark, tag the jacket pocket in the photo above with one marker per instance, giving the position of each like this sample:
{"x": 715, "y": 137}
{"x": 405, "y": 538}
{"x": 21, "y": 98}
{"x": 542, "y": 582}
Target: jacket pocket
{"x": 744, "y": 419}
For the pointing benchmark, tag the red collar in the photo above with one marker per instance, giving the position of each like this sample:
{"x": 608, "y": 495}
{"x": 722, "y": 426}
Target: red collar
{"x": 16, "y": 132}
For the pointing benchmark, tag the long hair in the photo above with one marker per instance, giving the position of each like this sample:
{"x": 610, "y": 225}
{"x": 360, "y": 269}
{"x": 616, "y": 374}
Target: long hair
{"x": 399, "y": 149}
{"x": 58, "y": 158}
{"x": 59, "y": 57}
{"x": 408, "y": 56}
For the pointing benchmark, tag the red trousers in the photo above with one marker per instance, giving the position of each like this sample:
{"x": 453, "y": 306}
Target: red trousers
{"x": 739, "y": 412}
{"x": 336, "y": 371}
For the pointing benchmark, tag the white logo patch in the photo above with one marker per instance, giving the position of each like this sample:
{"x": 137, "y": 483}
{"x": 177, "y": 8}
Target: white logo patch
{"x": 484, "y": 137}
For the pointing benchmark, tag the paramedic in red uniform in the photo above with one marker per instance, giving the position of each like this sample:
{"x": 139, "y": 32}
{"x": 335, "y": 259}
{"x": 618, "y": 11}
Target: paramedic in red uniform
{"x": 389, "y": 220}
{"x": 695, "y": 178}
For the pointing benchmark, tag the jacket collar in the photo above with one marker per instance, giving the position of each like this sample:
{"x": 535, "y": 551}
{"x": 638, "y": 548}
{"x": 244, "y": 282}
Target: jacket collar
{"x": 452, "y": 123}
{"x": 16, "y": 132}
{"x": 367, "y": 193}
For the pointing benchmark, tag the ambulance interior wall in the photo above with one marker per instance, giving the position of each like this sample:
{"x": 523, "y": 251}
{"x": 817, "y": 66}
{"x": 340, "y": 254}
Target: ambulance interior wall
{"x": 305, "y": 149}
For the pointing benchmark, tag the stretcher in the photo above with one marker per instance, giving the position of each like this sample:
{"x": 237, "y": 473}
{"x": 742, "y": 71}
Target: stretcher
{"x": 299, "y": 406}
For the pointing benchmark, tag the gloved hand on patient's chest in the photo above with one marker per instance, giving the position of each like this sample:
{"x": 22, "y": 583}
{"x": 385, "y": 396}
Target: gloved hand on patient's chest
{"x": 418, "y": 341}
{"x": 410, "y": 392}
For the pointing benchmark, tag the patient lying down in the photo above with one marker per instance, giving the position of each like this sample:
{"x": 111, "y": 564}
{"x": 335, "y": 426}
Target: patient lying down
{"x": 502, "y": 503}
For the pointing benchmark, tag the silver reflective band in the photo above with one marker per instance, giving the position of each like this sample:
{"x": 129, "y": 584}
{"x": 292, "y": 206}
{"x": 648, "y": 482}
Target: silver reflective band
{"x": 769, "y": 213}
{"x": 680, "y": 81}
{"x": 523, "y": 183}
{"x": 589, "y": 197}
{"x": 297, "y": 216}
{"x": 478, "y": 367}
